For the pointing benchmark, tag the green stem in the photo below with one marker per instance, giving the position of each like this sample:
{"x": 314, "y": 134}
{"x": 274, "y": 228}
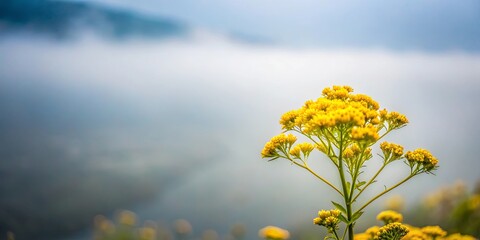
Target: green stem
{"x": 305, "y": 166}
{"x": 336, "y": 235}
{"x": 384, "y": 192}
{"x": 369, "y": 182}
{"x": 320, "y": 177}
{"x": 344, "y": 186}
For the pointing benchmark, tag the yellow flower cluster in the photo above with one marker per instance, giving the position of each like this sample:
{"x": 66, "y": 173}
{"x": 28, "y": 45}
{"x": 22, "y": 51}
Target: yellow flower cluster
{"x": 391, "y": 231}
{"x": 351, "y": 151}
{"x": 423, "y": 157}
{"x": 399, "y": 231}
{"x": 327, "y": 218}
{"x": 389, "y": 216}
{"x": 395, "y": 120}
{"x": 272, "y": 232}
{"x": 434, "y": 231}
{"x": 415, "y": 234}
{"x": 337, "y": 106}
{"x": 281, "y": 141}
{"x": 474, "y": 202}
{"x": 391, "y": 151}
{"x": 458, "y": 236}
{"x": 304, "y": 148}
{"x": 368, "y": 133}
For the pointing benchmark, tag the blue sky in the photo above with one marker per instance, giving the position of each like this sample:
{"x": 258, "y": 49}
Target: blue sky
{"x": 400, "y": 25}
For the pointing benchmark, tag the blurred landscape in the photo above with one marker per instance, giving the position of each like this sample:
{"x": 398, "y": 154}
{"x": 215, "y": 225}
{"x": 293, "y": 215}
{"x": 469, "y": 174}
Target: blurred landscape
{"x": 107, "y": 106}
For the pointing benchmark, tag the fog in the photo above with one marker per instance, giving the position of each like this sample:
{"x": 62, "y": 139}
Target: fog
{"x": 174, "y": 129}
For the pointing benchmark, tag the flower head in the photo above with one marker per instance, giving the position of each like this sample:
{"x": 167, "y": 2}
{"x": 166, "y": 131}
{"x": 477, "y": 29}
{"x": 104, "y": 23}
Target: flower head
{"x": 391, "y": 151}
{"x": 422, "y": 157}
{"x": 274, "y": 233}
{"x": 328, "y": 219}
{"x": 390, "y": 216}
{"x": 304, "y": 148}
{"x": 391, "y": 231}
{"x": 434, "y": 231}
{"x": 279, "y": 142}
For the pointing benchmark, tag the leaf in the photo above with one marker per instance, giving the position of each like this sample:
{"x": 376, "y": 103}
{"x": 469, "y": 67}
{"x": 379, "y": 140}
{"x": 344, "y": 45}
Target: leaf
{"x": 272, "y": 159}
{"x": 339, "y": 207}
{"x": 342, "y": 218}
{"x": 360, "y": 184}
{"x": 348, "y": 185}
{"x": 356, "y": 216}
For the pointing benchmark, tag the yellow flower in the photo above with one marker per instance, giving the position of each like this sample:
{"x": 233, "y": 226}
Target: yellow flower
{"x": 368, "y": 133}
{"x": 278, "y": 142}
{"x": 474, "y": 202}
{"x": 458, "y": 236}
{"x": 372, "y": 231}
{"x": 288, "y": 119}
{"x": 391, "y": 151}
{"x": 434, "y": 231}
{"x": 272, "y": 232}
{"x": 390, "y": 216}
{"x": 361, "y": 236}
{"x": 395, "y": 203}
{"x": 327, "y": 218}
{"x": 127, "y": 218}
{"x": 304, "y": 148}
{"x": 148, "y": 233}
{"x": 415, "y": 234}
{"x": 395, "y": 120}
{"x": 423, "y": 157}
{"x": 391, "y": 231}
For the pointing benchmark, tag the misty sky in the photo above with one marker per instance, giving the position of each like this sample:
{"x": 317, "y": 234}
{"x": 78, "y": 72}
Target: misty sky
{"x": 402, "y": 25}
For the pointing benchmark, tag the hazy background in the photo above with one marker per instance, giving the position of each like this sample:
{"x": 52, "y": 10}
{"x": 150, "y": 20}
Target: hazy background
{"x": 163, "y": 107}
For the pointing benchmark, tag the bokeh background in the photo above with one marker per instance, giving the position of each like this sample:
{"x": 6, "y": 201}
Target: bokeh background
{"x": 162, "y": 107}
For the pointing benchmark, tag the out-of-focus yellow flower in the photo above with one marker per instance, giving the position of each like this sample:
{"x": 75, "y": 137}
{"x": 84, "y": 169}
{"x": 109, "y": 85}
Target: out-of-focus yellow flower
{"x": 210, "y": 235}
{"x": 182, "y": 227}
{"x": 458, "y": 236}
{"x": 434, "y": 231}
{"x": 148, "y": 233}
{"x": 395, "y": 203}
{"x": 415, "y": 234}
{"x": 103, "y": 226}
{"x": 390, "y": 216}
{"x": 127, "y": 218}
{"x": 274, "y": 233}
{"x": 372, "y": 231}
{"x": 391, "y": 231}
{"x": 238, "y": 230}
{"x": 474, "y": 202}
{"x": 361, "y": 236}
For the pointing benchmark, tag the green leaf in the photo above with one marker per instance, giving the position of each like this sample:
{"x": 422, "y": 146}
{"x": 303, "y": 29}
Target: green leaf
{"x": 339, "y": 207}
{"x": 356, "y": 216}
{"x": 342, "y": 218}
{"x": 360, "y": 184}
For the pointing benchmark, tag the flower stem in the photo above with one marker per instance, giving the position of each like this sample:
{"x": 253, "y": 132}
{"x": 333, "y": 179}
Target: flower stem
{"x": 384, "y": 192}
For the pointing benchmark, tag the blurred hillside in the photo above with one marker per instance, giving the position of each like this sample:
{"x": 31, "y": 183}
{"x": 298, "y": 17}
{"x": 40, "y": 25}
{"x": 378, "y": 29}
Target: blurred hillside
{"x": 62, "y": 19}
